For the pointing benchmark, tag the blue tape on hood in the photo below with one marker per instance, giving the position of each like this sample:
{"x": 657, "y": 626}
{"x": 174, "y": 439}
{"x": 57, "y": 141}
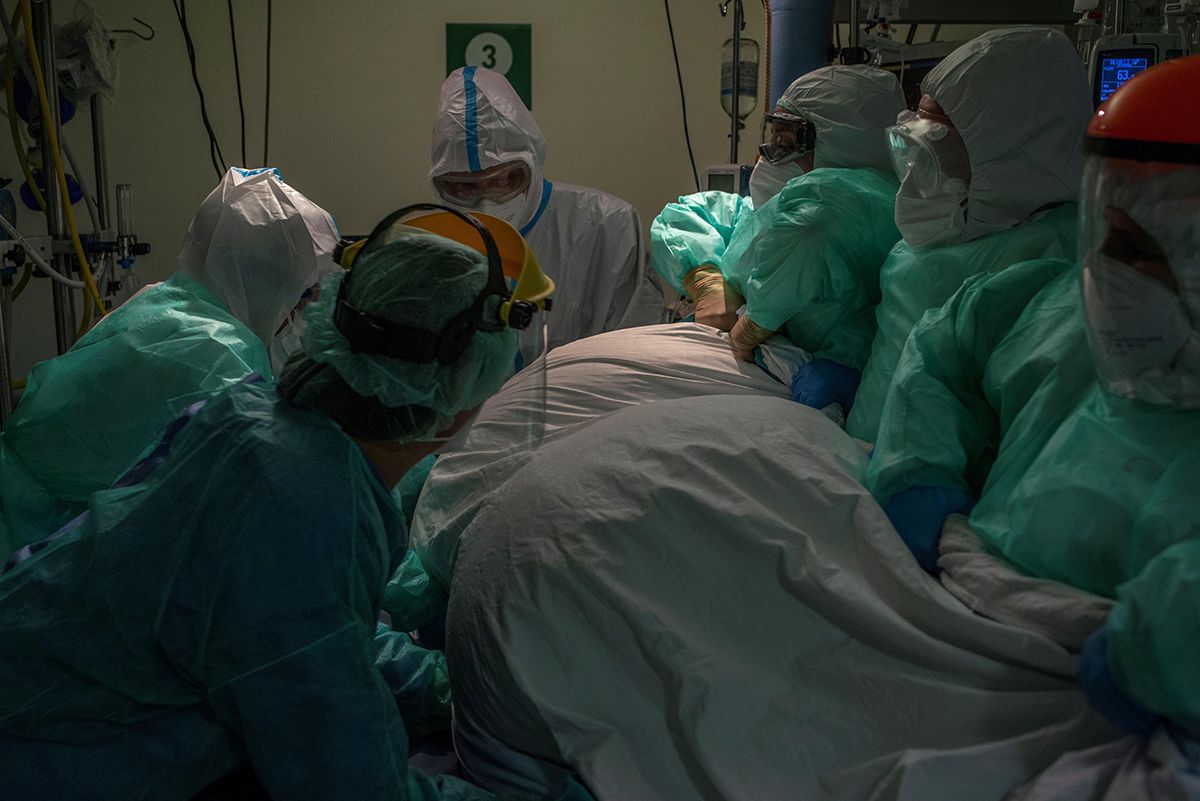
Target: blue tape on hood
{"x": 472, "y": 121}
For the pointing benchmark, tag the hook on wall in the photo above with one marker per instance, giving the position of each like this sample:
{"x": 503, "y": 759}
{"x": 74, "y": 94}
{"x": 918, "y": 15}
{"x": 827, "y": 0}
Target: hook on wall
{"x": 141, "y": 34}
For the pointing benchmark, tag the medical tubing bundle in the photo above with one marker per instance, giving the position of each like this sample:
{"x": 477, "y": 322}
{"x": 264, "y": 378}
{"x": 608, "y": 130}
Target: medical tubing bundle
{"x": 51, "y": 134}
{"x": 18, "y": 145}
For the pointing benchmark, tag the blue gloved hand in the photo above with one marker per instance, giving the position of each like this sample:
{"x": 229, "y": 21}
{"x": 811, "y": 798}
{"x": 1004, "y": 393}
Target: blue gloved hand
{"x": 1096, "y": 680}
{"x": 822, "y": 382}
{"x": 918, "y": 514}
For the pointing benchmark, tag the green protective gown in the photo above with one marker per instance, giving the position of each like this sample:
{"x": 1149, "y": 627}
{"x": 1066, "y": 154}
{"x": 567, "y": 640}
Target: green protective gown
{"x": 807, "y": 262}
{"x": 412, "y": 598}
{"x": 996, "y": 394}
{"x": 87, "y": 414}
{"x": 695, "y": 231}
{"x": 217, "y": 610}
{"x": 915, "y": 281}
{"x": 1105, "y": 501}
{"x": 970, "y": 368}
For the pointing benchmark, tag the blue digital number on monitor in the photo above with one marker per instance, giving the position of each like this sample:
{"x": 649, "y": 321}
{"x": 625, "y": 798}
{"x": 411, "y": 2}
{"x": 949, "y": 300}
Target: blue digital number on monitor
{"x": 1114, "y": 72}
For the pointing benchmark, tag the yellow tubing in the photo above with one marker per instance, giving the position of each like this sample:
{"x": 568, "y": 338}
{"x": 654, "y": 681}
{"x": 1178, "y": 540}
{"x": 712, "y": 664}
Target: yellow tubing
{"x": 20, "y": 287}
{"x": 14, "y": 123}
{"x": 50, "y": 132}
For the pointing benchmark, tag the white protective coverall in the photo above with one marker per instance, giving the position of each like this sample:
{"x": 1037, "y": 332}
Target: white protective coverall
{"x": 589, "y": 242}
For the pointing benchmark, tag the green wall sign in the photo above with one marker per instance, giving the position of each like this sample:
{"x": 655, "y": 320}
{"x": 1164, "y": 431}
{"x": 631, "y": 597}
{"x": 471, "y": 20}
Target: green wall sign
{"x": 507, "y": 49}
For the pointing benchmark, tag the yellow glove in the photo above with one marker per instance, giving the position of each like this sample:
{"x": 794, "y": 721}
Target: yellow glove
{"x": 746, "y": 336}
{"x": 716, "y": 302}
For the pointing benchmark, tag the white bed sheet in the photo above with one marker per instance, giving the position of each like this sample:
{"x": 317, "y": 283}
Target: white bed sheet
{"x": 737, "y": 622}
{"x": 586, "y": 380}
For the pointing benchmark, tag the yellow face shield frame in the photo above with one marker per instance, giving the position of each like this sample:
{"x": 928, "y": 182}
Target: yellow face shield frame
{"x": 531, "y": 289}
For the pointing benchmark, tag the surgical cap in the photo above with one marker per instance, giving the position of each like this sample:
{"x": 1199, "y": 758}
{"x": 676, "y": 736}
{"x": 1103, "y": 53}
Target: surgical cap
{"x": 257, "y": 244}
{"x": 421, "y": 281}
{"x": 850, "y": 107}
{"x": 1019, "y": 98}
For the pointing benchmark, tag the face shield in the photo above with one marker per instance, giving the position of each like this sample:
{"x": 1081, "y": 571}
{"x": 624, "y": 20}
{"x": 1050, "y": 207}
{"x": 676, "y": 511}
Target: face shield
{"x": 934, "y": 169}
{"x": 514, "y": 299}
{"x": 929, "y": 155}
{"x": 1140, "y": 245}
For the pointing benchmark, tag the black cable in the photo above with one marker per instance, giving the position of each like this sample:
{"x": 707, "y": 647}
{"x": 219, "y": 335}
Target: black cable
{"x": 237, "y": 74}
{"x": 687, "y": 136}
{"x": 214, "y": 147}
{"x": 267, "y": 114}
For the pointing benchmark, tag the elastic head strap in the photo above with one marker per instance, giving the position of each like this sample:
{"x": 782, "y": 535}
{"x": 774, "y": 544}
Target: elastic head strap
{"x": 372, "y": 335}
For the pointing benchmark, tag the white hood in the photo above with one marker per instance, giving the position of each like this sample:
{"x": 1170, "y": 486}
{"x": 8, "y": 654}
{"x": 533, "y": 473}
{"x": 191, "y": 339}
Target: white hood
{"x": 481, "y": 123}
{"x": 257, "y": 244}
{"x": 850, "y": 107}
{"x": 1019, "y": 98}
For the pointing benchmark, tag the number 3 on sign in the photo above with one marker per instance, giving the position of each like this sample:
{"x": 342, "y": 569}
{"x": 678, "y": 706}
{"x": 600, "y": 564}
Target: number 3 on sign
{"x": 490, "y": 50}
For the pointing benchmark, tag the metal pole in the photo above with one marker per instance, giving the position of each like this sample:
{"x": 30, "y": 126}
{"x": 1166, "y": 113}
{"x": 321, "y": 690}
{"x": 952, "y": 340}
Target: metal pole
{"x": 6, "y": 405}
{"x": 6, "y": 300}
{"x": 100, "y": 157}
{"x": 854, "y": 29}
{"x": 64, "y": 316}
{"x": 737, "y": 81}
{"x": 1118, "y": 17}
{"x": 100, "y": 163}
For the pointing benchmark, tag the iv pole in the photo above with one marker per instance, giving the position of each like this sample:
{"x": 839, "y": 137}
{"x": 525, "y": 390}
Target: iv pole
{"x": 736, "y": 125}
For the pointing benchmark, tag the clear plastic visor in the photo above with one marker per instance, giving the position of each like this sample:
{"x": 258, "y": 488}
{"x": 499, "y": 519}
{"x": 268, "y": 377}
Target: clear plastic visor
{"x": 1139, "y": 243}
{"x": 930, "y": 154}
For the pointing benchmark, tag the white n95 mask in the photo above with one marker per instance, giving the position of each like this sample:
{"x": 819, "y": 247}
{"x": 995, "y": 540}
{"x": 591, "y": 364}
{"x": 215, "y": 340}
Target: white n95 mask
{"x": 287, "y": 342}
{"x": 931, "y": 221}
{"x": 767, "y": 179}
{"x": 1140, "y": 240}
{"x": 1141, "y": 337}
{"x": 514, "y": 211}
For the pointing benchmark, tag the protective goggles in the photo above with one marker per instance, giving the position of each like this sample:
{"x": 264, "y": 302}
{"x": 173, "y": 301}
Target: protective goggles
{"x": 930, "y": 154}
{"x": 791, "y": 137}
{"x": 496, "y": 185}
{"x": 514, "y": 277}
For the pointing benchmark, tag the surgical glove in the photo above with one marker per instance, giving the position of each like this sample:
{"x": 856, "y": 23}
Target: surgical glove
{"x": 822, "y": 382}
{"x": 918, "y": 514}
{"x": 746, "y": 336}
{"x": 716, "y": 302}
{"x": 1096, "y": 680}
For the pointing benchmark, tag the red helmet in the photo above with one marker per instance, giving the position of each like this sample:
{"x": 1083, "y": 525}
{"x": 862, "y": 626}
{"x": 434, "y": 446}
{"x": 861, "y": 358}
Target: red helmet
{"x": 1153, "y": 117}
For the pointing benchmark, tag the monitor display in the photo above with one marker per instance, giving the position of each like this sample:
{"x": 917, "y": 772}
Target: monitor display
{"x": 722, "y": 182}
{"x": 1114, "y": 70}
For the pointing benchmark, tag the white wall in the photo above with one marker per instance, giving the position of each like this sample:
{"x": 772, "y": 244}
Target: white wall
{"x": 354, "y": 88}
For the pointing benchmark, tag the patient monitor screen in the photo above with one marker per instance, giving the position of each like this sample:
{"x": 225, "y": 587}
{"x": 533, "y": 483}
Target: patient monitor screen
{"x": 1115, "y": 68}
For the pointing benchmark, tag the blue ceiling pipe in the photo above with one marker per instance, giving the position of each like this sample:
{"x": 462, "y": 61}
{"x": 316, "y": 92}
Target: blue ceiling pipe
{"x": 797, "y": 41}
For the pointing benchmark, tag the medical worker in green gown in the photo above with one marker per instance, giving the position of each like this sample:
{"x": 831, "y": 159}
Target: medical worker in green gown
{"x": 803, "y": 253}
{"x": 214, "y": 611}
{"x": 990, "y": 168}
{"x": 1067, "y": 401}
{"x": 254, "y": 248}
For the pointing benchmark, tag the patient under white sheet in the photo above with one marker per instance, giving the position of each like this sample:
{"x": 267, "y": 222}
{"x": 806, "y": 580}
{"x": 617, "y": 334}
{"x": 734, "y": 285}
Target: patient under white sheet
{"x": 586, "y": 380}
{"x": 719, "y": 610}
{"x": 685, "y": 592}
